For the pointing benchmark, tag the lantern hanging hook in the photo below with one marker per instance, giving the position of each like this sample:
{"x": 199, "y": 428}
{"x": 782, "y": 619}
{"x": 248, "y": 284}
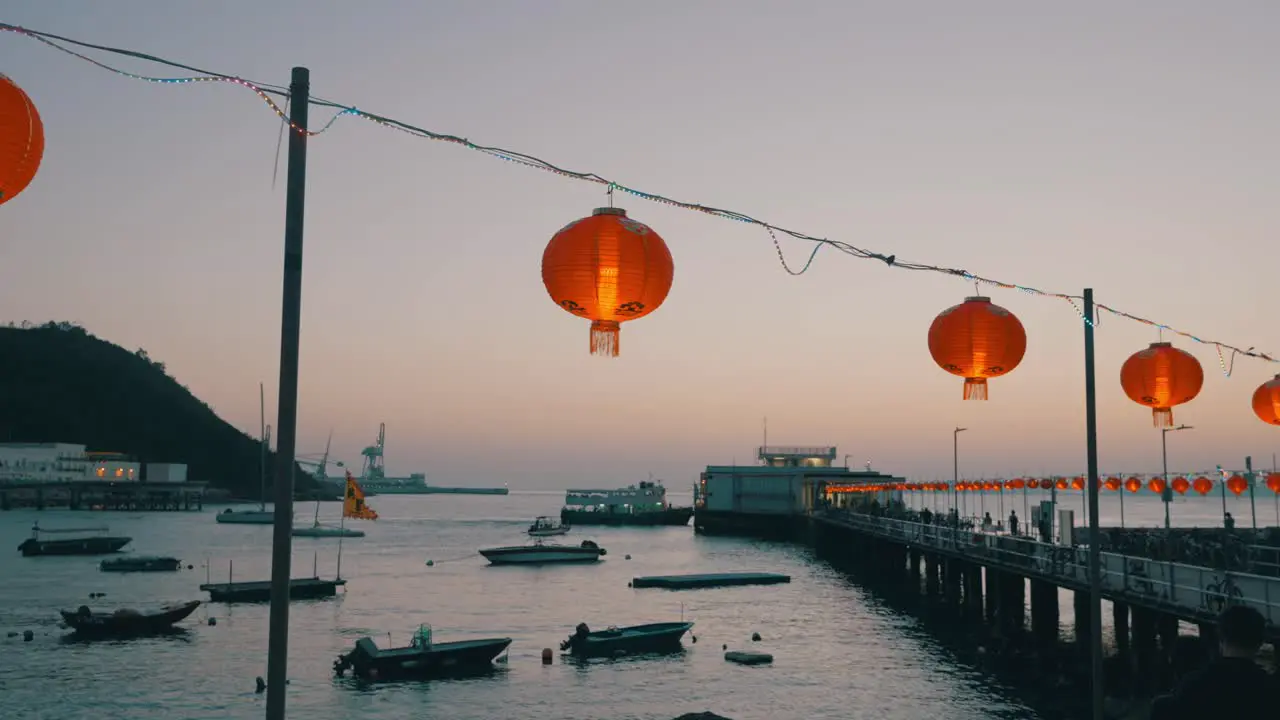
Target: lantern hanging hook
{"x": 976, "y": 290}
{"x": 609, "y": 193}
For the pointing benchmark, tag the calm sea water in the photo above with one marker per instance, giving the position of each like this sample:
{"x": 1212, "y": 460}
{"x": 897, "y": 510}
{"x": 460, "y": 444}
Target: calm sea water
{"x": 839, "y": 651}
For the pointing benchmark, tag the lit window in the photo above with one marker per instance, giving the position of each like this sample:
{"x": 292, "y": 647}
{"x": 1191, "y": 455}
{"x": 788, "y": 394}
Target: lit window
{"x": 102, "y": 472}
{"x": 119, "y": 472}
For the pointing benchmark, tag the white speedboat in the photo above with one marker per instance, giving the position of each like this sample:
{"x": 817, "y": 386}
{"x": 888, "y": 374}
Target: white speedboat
{"x": 543, "y": 554}
{"x": 547, "y": 527}
{"x": 326, "y": 531}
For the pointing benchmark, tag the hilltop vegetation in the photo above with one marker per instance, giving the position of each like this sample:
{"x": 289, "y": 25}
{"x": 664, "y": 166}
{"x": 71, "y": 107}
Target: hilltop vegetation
{"x": 59, "y": 383}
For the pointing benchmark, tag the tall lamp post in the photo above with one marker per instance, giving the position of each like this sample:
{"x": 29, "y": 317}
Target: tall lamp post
{"x": 955, "y": 479}
{"x": 1167, "y": 494}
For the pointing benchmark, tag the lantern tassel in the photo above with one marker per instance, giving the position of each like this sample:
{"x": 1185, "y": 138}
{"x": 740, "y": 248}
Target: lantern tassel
{"x": 1162, "y": 417}
{"x": 604, "y": 338}
{"x": 975, "y": 388}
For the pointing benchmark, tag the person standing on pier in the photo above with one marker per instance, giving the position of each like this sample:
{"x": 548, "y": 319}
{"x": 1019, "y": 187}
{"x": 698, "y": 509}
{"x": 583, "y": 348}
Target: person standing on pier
{"x": 1233, "y": 685}
{"x": 1013, "y": 522}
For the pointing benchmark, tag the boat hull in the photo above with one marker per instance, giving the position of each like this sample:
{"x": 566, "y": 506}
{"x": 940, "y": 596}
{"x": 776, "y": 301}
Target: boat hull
{"x": 638, "y": 639}
{"x": 117, "y": 625}
{"x": 135, "y": 564}
{"x": 368, "y": 662}
{"x": 549, "y": 532}
{"x": 260, "y": 590}
{"x": 86, "y": 546}
{"x": 435, "y": 490}
{"x": 540, "y": 555}
{"x": 247, "y": 517}
{"x": 668, "y": 517}
{"x": 327, "y": 532}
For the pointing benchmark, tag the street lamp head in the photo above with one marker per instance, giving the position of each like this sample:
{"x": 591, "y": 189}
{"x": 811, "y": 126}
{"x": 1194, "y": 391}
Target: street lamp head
{"x": 960, "y": 429}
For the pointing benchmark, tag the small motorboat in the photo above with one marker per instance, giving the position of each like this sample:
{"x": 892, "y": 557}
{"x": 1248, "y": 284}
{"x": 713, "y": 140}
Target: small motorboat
{"x": 326, "y": 531}
{"x": 246, "y": 517}
{"x": 141, "y": 563}
{"x": 125, "y": 622}
{"x": 422, "y": 659}
{"x": 547, "y": 527}
{"x": 652, "y": 638}
{"x": 92, "y": 541}
{"x": 543, "y": 554}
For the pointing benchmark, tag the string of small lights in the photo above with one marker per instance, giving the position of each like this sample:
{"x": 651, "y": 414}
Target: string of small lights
{"x": 264, "y": 92}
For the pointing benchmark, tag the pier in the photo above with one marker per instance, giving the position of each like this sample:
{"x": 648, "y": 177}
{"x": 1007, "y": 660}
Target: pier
{"x": 988, "y": 577}
{"x": 98, "y": 495}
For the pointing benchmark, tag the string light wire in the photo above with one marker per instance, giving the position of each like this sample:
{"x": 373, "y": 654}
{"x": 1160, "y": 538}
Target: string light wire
{"x": 264, "y": 92}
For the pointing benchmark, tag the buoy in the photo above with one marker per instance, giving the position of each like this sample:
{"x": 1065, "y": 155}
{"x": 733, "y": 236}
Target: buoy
{"x": 431, "y": 563}
{"x": 261, "y": 684}
{"x": 694, "y": 638}
{"x": 755, "y": 637}
{"x": 628, "y": 557}
{"x": 11, "y": 633}
{"x": 546, "y": 656}
{"x": 213, "y": 621}
{"x": 191, "y": 567}
{"x": 629, "y": 584}
{"x": 27, "y": 636}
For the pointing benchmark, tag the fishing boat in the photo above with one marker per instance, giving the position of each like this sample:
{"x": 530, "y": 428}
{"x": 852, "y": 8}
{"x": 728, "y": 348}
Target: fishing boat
{"x": 141, "y": 563}
{"x": 644, "y": 504}
{"x": 422, "y": 659}
{"x": 261, "y": 516}
{"x": 125, "y": 622}
{"x": 547, "y": 527}
{"x": 92, "y": 541}
{"x": 543, "y": 554}
{"x": 651, "y": 638}
{"x": 312, "y": 588}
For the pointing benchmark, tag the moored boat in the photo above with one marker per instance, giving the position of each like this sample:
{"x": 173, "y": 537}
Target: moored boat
{"x": 642, "y": 505}
{"x": 92, "y": 541}
{"x": 141, "y": 563}
{"x": 651, "y": 638}
{"x": 125, "y": 622}
{"x": 246, "y": 517}
{"x": 544, "y": 554}
{"x": 422, "y": 659}
{"x": 547, "y": 527}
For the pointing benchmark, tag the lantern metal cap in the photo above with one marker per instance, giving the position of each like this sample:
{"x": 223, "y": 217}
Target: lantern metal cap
{"x": 609, "y": 211}
{"x": 978, "y": 298}
{"x": 1161, "y": 344}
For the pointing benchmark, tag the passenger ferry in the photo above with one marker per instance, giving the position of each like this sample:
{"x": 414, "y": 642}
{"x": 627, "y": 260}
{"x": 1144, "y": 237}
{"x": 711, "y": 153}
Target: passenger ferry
{"x": 642, "y": 504}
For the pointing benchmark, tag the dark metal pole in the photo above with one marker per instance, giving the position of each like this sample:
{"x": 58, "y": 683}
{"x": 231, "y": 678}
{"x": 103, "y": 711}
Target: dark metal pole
{"x": 287, "y": 412}
{"x": 1095, "y": 551}
{"x": 1165, "y": 494}
{"x": 1253, "y": 507}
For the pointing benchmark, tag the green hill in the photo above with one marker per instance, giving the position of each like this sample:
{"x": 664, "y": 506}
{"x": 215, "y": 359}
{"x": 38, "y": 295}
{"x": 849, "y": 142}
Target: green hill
{"x": 59, "y": 383}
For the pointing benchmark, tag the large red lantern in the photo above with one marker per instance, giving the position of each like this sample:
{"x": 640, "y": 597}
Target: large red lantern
{"x": 1077, "y": 483}
{"x": 1133, "y": 484}
{"x": 1266, "y": 401}
{"x": 1181, "y": 485}
{"x": 1112, "y": 483}
{"x": 1160, "y": 377}
{"x": 1237, "y": 485}
{"x": 608, "y": 269}
{"x": 1156, "y": 485}
{"x": 1202, "y": 485}
{"x": 977, "y": 340}
{"x": 1273, "y": 482}
{"x": 21, "y": 140}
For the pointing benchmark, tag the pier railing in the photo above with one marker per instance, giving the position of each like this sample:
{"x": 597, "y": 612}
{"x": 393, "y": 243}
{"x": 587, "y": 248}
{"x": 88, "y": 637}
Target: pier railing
{"x": 1193, "y": 593}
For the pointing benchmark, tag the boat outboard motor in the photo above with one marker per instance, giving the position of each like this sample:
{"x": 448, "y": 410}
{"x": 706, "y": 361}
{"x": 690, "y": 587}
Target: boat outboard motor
{"x": 578, "y": 637}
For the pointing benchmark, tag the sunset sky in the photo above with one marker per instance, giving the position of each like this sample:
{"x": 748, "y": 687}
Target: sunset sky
{"x": 1127, "y": 147}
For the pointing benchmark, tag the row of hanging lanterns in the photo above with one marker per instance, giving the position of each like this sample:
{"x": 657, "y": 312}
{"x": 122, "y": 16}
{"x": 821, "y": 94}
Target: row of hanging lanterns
{"x": 1237, "y": 484}
{"x": 609, "y": 269}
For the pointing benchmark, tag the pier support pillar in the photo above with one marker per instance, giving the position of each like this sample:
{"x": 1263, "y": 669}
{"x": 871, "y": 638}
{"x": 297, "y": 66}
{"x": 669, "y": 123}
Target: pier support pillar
{"x": 1120, "y": 618}
{"x": 931, "y": 571}
{"x": 913, "y": 562}
{"x": 1144, "y": 648}
{"x": 973, "y": 589}
{"x": 1044, "y": 612}
{"x": 1083, "y": 618}
{"x": 992, "y": 587}
{"x": 4, "y": 501}
{"x": 1013, "y": 603}
{"x": 39, "y": 498}
{"x": 951, "y": 581}
{"x": 1167, "y": 631}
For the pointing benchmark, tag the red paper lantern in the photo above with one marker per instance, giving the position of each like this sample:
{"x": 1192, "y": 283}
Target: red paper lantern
{"x": 1077, "y": 483}
{"x": 1273, "y": 482}
{"x": 1061, "y": 483}
{"x": 608, "y": 269}
{"x": 1018, "y": 483}
{"x": 1237, "y": 485}
{"x": 1112, "y": 483}
{"x": 977, "y": 340}
{"x": 1156, "y": 485}
{"x": 1181, "y": 485}
{"x": 1133, "y": 484}
{"x": 1266, "y": 401}
{"x": 1202, "y": 485}
{"x": 1161, "y": 377}
{"x": 21, "y": 140}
